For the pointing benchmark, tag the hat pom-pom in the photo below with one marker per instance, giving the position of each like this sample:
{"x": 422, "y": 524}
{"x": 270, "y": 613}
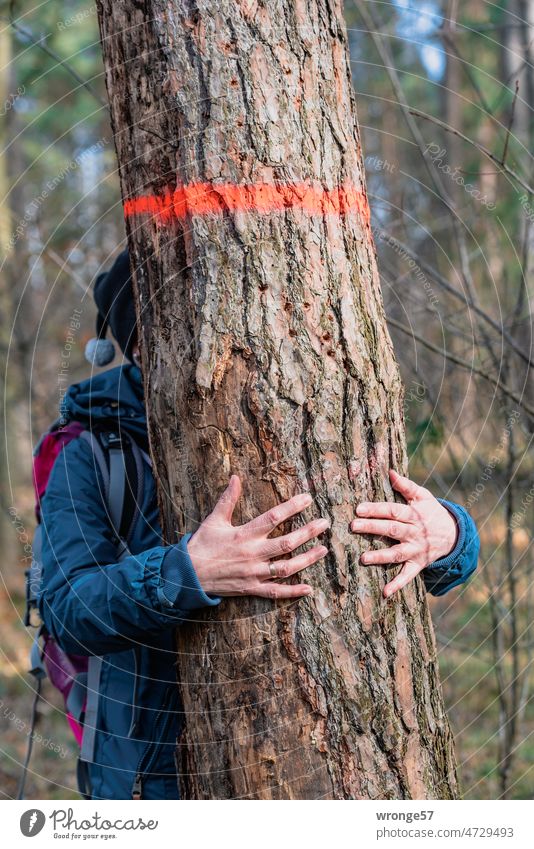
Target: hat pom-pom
{"x": 99, "y": 352}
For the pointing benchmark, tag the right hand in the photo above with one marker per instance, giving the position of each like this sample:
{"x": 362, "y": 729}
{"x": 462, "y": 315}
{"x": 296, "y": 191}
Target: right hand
{"x": 232, "y": 561}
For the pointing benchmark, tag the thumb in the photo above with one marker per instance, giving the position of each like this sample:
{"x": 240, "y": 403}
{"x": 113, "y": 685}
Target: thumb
{"x": 225, "y": 506}
{"x": 409, "y": 489}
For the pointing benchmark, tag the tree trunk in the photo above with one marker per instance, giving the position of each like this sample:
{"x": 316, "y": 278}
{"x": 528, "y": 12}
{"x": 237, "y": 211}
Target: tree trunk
{"x": 266, "y": 353}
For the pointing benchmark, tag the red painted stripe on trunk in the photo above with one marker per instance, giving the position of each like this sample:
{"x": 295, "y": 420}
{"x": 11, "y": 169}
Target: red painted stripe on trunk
{"x": 216, "y": 198}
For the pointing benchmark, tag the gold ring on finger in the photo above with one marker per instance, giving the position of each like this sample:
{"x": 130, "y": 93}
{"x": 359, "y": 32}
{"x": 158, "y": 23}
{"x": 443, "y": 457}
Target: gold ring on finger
{"x": 272, "y": 570}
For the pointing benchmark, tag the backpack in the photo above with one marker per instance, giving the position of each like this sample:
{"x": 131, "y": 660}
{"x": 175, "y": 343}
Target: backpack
{"x": 120, "y": 462}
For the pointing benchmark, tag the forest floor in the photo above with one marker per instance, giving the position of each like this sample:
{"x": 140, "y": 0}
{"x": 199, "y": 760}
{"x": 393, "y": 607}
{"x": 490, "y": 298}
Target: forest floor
{"x": 51, "y": 774}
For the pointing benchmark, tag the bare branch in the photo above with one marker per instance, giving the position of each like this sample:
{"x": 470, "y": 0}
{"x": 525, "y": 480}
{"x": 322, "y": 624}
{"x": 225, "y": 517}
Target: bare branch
{"x": 465, "y": 365}
{"x": 510, "y": 124}
{"x": 480, "y": 147}
{"x": 444, "y": 283}
{"x": 39, "y": 42}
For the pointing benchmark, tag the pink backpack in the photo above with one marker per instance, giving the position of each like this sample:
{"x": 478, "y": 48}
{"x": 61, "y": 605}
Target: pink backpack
{"x": 48, "y": 660}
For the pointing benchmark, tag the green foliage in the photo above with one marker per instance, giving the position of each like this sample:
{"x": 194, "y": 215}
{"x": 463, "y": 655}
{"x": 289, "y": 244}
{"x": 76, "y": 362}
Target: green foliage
{"x": 424, "y": 434}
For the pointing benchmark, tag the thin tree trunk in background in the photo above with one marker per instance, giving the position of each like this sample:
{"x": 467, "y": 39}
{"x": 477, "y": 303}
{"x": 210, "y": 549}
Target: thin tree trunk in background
{"x": 11, "y": 377}
{"x": 452, "y": 103}
{"x": 266, "y": 353}
{"x": 5, "y": 233}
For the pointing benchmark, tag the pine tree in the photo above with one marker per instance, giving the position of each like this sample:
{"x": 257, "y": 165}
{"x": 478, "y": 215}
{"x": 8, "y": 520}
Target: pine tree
{"x": 266, "y": 353}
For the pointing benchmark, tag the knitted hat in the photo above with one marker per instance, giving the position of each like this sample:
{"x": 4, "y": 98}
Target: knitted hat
{"x": 113, "y": 296}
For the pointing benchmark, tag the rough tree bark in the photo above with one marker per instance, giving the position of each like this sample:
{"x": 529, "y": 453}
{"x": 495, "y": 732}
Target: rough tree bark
{"x": 266, "y": 353}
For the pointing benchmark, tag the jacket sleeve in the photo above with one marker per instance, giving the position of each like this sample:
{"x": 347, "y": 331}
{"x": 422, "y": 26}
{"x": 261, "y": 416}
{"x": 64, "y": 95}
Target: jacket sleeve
{"x": 89, "y": 602}
{"x": 452, "y": 570}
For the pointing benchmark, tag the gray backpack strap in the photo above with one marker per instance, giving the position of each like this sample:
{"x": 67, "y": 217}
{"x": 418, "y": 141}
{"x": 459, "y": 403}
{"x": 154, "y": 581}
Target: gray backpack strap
{"x": 123, "y": 502}
{"x": 77, "y": 695}
{"x": 146, "y": 458}
{"x": 84, "y": 780}
{"x": 140, "y": 459}
{"x": 100, "y": 459}
{"x": 117, "y": 486}
{"x": 94, "y": 669}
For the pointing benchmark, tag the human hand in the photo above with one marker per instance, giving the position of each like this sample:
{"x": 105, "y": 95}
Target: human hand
{"x": 424, "y": 528}
{"x": 233, "y": 561}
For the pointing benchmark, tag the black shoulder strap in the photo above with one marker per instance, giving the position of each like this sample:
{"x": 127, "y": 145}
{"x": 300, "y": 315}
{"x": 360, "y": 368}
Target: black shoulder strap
{"x": 120, "y": 461}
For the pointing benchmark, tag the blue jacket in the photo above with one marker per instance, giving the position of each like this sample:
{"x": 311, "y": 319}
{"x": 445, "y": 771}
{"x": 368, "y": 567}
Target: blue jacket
{"x": 127, "y": 611}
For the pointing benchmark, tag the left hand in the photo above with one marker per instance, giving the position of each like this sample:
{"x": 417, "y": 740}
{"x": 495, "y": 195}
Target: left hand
{"x": 426, "y": 531}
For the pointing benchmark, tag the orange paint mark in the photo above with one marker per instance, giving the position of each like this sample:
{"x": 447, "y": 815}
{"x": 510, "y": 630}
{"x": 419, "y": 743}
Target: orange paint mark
{"x": 263, "y": 198}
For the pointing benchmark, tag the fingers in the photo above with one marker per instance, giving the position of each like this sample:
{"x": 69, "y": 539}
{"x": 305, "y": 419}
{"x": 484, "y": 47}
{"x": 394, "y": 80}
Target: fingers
{"x": 383, "y": 527}
{"x": 407, "y": 574}
{"x": 285, "y": 568}
{"x": 410, "y": 490}
{"x": 274, "y": 591}
{"x": 386, "y": 510}
{"x": 382, "y": 556}
{"x": 225, "y": 506}
{"x": 267, "y": 522}
{"x": 289, "y": 542}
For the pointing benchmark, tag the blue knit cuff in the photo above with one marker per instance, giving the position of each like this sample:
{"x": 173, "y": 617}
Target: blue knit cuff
{"x": 180, "y": 588}
{"x": 451, "y": 571}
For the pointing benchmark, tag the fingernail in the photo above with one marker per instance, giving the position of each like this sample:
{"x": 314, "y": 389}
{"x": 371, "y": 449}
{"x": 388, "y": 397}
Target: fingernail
{"x": 324, "y": 524}
{"x": 323, "y": 550}
{"x": 356, "y": 525}
{"x": 362, "y": 510}
{"x": 363, "y": 558}
{"x": 306, "y": 499}
{"x": 309, "y": 591}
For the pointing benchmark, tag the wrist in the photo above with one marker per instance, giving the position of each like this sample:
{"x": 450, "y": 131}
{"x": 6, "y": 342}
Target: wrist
{"x": 198, "y": 561}
{"x": 446, "y": 561}
{"x": 180, "y": 588}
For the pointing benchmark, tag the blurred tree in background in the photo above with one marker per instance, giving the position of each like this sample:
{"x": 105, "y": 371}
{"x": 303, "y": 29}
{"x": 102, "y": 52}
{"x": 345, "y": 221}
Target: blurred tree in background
{"x": 60, "y": 224}
{"x": 446, "y": 96}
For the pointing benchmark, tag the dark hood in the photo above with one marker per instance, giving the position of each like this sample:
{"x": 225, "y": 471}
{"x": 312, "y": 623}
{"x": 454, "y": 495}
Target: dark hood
{"x": 114, "y": 396}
